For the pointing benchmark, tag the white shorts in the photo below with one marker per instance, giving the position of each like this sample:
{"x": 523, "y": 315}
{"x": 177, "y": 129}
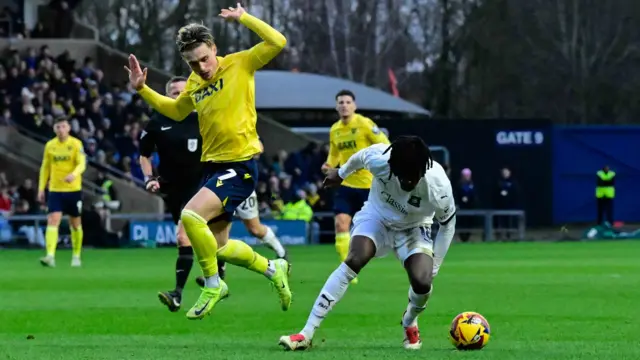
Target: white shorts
{"x": 249, "y": 208}
{"x": 404, "y": 243}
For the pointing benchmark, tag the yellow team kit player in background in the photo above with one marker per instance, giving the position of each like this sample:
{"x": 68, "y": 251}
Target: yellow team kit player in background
{"x": 63, "y": 163}
{"x": 352, "y": 133}
{"x": 222, "y": 91}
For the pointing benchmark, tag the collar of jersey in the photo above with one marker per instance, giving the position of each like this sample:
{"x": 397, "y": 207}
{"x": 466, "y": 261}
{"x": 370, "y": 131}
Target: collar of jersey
{"x": 350, "y": 123}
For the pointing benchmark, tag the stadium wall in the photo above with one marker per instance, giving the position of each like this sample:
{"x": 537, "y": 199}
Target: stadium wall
{"x": 486, "y": 146}
{"x": 579, "y": 152}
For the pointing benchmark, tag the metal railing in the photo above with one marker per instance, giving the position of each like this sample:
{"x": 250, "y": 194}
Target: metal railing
{"x": 487, "y": 230}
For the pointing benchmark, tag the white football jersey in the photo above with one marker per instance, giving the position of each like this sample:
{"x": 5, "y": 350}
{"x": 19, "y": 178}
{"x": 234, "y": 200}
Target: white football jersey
{"x": 398, "y": 209}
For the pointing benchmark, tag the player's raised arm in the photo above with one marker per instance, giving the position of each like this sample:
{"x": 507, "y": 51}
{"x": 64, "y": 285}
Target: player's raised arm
{"x": 45, "y": 171}
{"x": 273, "y": 41}
{"x": 176, "y": 109}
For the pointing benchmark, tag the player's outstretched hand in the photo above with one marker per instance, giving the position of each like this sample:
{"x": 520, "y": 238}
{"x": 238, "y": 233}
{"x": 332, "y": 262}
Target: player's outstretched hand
{"x": 325, "y": 167}
{"x": 232, "y": 13}
{"x": 137, "y": 76}
{"x": 333, "y": 179}
{"x": 153, "y": 185}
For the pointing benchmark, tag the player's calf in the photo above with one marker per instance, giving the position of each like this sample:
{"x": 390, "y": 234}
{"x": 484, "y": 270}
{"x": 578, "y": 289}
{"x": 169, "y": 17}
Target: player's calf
{"x": 362, "y": 250}
{"x": 419, "y": 268}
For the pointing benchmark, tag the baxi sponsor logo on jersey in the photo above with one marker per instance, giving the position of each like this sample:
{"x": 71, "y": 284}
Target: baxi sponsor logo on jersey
{"x": 520, "y": 138}
{"x": 209, "y": 90}
{"x": 164, "y": 232}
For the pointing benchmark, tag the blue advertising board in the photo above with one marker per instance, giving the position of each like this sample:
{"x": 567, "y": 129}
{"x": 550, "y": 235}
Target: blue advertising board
{"x": 164, "y": 232}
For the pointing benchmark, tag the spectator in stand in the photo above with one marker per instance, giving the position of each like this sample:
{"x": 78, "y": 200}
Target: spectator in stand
{"x": 5, "y": 200}
{"x": 298, "y": 209}
{"x": 39, "y": 31}
{"x": 264, "y": 198}
{"x": 3, "y": 180}
{"x": 313, "y": 198}
{"x": 14, "y": 195}
{"x": 287, "y": 192}
{"x": 6, "y": 119}
{"x": 466, "y": 199}
{"x": 28, "y": 193}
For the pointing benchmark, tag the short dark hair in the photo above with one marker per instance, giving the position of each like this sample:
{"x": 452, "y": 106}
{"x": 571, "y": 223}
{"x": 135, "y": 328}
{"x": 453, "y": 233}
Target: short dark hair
{"x": 346, "y": 93}
{"x": 193, "y": 35}
{"x": 174, "y": 79}
{"x": 60, "y": 119}
{"x": 408, "y": 155}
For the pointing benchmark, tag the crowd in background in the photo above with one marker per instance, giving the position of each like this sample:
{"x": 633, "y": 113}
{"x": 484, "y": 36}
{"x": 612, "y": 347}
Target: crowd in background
{"x": 37, "y": 86}
{"x": 12, "y": 21}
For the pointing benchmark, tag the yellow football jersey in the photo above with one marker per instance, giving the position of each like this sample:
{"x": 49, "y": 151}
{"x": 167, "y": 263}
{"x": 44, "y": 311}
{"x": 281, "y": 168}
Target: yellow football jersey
{"x": 225, "y": 103}
{"x": 347, "y": 139}
{"x": 60, "y": 159}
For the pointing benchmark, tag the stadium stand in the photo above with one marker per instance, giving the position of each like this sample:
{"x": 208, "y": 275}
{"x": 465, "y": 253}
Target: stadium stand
{"x": 36, "y": 86}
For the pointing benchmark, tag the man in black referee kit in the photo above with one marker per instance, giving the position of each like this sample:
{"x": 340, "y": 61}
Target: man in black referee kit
{"x": 179, "y": 147}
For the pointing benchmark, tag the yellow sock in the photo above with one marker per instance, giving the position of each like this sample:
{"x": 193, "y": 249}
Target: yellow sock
{"x": 202, "y": 240}
{"x": 238, "y": 253}
{"x": 342, "y": 244}
{"x": 51, "y": 239}
{"x": 76, "y": 241}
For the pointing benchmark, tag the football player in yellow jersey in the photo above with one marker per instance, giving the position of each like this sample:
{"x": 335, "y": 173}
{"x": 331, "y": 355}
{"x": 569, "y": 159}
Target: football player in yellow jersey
{"x": 352, "y": 133}
{"x": 63, "y": 163}
{"x": 222, "y": 91}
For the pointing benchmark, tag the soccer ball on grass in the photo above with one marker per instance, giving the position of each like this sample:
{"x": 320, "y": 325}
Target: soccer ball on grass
{"x": 469, "y": 331}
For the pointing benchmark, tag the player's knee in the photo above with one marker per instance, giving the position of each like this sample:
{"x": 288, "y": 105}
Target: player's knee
{"x": 356, "y": 261}
{"x": 53, "y": 219}
{"x": 421, "y": 284}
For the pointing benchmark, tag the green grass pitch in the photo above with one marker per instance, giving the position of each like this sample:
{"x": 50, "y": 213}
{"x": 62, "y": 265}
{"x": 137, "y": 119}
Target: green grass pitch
{"x": 543, "y": 301}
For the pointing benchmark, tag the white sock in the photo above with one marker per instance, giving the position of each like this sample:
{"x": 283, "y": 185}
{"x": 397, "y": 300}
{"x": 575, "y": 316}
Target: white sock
{"x": 332, "y": 291}
{"x": 212, "y": 281}
{"x": 271, "y": 269}
{"x": 272, "y": 241}
{"x": 417, "y": 304}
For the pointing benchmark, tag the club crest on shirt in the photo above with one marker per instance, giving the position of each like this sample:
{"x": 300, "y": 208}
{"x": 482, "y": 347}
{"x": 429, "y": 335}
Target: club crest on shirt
{"x": 414, "y": 201}
{"x": 192, "y": 145}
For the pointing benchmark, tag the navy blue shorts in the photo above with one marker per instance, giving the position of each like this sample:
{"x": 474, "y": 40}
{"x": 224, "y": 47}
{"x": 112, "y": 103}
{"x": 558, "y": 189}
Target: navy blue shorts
{"x": 68, "y": 203}
{"x": 349, "y": 200}
{"x": 233, "y": 182}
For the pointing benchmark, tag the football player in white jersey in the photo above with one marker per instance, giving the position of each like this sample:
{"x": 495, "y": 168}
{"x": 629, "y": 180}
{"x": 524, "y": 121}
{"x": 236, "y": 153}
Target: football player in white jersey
{"x": 409, "y": 190}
